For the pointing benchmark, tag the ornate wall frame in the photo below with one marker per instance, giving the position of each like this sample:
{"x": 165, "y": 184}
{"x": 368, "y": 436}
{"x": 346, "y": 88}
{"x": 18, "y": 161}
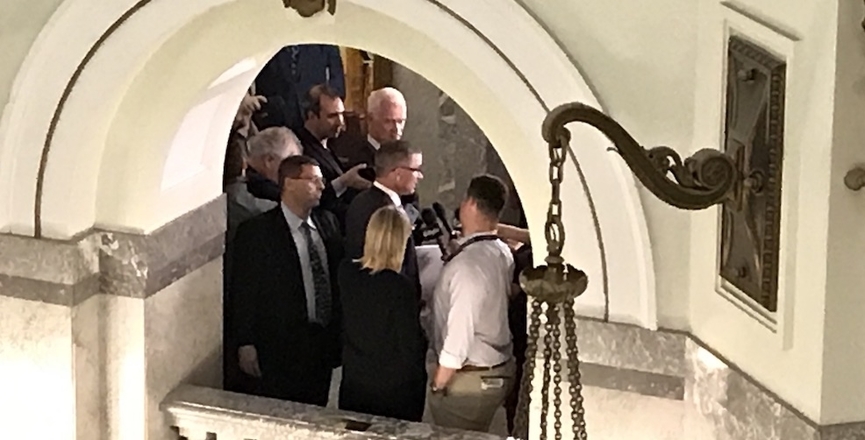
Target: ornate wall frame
{"x": 754, "y": 139}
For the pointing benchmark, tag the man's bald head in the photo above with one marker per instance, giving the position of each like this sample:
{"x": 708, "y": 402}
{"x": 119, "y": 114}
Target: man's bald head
{"x": 386, "y": 114}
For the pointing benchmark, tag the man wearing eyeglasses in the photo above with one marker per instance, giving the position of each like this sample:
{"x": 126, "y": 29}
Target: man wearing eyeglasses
{"x": 286, "y": 306}
{"x": 397, "y": 173}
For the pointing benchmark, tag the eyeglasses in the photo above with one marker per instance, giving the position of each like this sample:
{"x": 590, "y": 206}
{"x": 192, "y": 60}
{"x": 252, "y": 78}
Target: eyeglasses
{"x": 414, "y": 170}
{"x": 311, "y": 179}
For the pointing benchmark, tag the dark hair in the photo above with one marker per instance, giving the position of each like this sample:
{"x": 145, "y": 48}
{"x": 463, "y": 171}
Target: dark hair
{"x": 234, "y": 154}
{"x": 391, "y": 155}
{"x": 292, "y": 167}
{"x": 312, "y": 100}
{"x": 489, "y": 193}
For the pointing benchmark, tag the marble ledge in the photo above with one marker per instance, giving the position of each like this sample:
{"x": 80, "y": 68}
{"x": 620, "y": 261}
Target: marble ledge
{"x": 116, "y": 263}
{"x": 242, "y": 416}
{"x": 630, "y": 347}
{"x": 139, "y": 266}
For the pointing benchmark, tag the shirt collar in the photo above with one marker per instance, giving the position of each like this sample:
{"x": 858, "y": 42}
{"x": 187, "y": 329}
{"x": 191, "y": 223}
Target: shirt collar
{"x": 293, "y": 220}
{"x": 375, "y": 144}
{"x": 394, "y": 197}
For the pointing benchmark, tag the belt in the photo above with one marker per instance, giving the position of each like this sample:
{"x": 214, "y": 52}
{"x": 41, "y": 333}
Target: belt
{"x": 471, "y": 368}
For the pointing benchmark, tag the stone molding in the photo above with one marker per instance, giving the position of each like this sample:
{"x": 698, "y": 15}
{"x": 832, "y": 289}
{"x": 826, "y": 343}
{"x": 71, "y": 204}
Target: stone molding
{"x": 722, "y": 401}
{"x": 196, "y": 412}
{"x": 115, "y": 263}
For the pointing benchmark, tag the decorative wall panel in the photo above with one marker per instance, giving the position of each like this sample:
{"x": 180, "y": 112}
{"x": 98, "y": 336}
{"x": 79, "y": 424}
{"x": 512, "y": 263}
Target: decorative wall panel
{"x": 754, "y": 137}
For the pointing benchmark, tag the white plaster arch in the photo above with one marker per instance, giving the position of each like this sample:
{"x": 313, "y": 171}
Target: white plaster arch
{"x": 108, "y": 156}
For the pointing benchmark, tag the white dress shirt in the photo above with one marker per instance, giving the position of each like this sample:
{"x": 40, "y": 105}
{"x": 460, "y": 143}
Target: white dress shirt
{"x": 394, "y": 197}
{"x": 294, "y": 223}
{"x": 375, "y": 144}
{"x": 470, "y": 306}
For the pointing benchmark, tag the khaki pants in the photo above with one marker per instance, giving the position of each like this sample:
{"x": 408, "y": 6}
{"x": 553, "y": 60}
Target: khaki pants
{"x": 473, "y": 398}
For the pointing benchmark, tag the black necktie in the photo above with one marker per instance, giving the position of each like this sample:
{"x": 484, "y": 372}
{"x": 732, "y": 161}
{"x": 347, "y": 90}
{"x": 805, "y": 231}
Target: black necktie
{"x": 321, "y": 284}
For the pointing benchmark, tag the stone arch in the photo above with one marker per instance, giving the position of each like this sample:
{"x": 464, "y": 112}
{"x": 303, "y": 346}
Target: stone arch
{"x": 108, "y": 159}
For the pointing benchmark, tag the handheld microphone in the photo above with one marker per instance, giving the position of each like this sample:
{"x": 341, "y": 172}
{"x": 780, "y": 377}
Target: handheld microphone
{"x": 432, "y": 222}
{"x": 440, "y": 213}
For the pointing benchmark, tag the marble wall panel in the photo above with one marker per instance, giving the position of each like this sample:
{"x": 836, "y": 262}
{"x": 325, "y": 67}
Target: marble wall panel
{"x": 125, "y": 391}
{"x": 88, "y": 354}
{"x": 37, "y": 392}
{"x": 631, "y": 347}
{"x": 183, "y": 340}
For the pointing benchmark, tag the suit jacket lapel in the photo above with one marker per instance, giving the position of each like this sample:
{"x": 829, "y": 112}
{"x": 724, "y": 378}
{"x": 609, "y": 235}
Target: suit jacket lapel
{"x": 314, "y": 149}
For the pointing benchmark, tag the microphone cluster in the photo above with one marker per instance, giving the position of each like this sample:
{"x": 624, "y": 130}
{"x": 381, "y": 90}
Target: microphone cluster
{"x": 437, "y": 228}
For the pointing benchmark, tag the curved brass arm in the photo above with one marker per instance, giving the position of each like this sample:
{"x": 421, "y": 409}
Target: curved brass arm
{"x": 704, "y": 179}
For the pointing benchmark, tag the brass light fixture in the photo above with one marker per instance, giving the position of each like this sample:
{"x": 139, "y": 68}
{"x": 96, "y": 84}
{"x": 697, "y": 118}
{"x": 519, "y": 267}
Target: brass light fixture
{"x": 705, "y": 179}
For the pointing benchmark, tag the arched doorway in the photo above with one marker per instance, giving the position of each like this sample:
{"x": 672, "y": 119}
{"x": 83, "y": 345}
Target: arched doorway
{"x": 157, "y": 92}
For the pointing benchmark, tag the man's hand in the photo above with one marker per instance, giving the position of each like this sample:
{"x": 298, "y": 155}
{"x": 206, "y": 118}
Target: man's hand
{"x": 252, "y": 104}
{"x": 354, "y": 180}
{"x": 249, "y": 360}
{"x": 442, "y": 377}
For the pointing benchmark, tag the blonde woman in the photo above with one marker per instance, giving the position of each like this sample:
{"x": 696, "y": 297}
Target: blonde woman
{"x": 383, "y": 354}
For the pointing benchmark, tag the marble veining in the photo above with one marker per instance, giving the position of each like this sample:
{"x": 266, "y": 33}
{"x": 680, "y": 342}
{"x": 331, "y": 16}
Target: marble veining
{"x": 139, "y": 266}
{"x": 70, "y": 272}
{"x": 631, "y": 347}
{"x": 249, "y": 415}
{"x": 728, "y": 406}
{"x": 60, "y": 262}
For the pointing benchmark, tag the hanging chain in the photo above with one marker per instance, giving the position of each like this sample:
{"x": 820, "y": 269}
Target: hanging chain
{"x": 554, "y": 229}
{"x": 554, "y": 286}
{"x": 576, "y": 387}
{"x": 555, "y": 322}
{"x": 521, "y": 423}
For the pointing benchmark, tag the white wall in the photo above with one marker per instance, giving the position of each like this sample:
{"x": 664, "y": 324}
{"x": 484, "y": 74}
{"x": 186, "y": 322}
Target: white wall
{"x": 640, "y": 62}
{"x": 794, "y": 343}
{"x": 20, "y": 24}
{"x": 844, "y": 338}
{"x": 658, "y": 69}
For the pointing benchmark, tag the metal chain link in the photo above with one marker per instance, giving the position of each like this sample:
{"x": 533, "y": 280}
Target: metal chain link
{"x": 576, "y": 387}
{"x": 555, "y": 320}
{"x": 552, "y": 367}
{"x": 545, "y": 387}
{"x": 554, "y": 229}
{"x": 521, "y": 423}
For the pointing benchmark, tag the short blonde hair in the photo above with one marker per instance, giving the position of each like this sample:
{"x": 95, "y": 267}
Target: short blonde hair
{"x": 386, "y": 235}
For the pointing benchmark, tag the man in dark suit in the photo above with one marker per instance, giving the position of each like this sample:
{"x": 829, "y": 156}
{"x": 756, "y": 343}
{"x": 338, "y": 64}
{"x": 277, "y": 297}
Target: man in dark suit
{"x": 397, "y": 172}
{"x": 324, "y": 120}
{"x": 386, "y": 113}
{"x": 286, "y": 305}
{"x": 285, "y": 79}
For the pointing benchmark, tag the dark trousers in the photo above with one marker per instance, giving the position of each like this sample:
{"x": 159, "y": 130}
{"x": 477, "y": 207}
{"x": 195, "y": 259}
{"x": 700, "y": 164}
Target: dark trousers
{"x": 405, "y": 401}
{"x": 517, "y": 321}
{"x": 311, "y": 388}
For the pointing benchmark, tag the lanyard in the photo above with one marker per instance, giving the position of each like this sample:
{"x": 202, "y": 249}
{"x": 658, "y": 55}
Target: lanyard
{"x": 469, "y": 242}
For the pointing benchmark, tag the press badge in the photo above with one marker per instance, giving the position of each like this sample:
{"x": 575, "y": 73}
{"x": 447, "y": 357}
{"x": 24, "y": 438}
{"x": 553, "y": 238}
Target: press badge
{"x": 491, "y": 383}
